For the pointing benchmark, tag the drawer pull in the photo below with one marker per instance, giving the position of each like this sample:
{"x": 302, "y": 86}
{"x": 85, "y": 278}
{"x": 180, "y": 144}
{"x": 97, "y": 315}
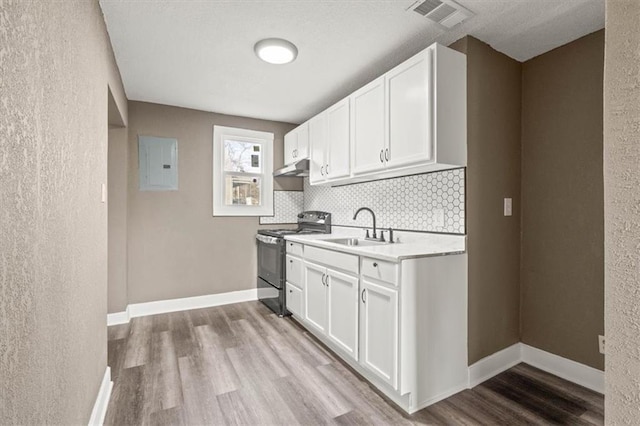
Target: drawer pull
{"x": 375, "y": 265}
{"x": 362, "y": 296}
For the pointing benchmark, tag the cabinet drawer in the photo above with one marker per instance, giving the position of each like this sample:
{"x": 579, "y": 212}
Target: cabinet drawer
{"x": 294, "y": 248}
{"x": 333, "y": 259}
{"x": 380, "y": 270}
{"x": 294, "y": 300}
{"x": 295, "y": 270}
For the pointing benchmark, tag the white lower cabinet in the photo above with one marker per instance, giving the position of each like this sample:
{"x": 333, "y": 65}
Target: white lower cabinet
{"x": 402, "y": 325}
{"x": 343, "y": 311}
{"x": 379, "y": 331}
{"x": 315, "y": 298}
{"x": 294, "y": 300}
{"x": 331, "y": 302}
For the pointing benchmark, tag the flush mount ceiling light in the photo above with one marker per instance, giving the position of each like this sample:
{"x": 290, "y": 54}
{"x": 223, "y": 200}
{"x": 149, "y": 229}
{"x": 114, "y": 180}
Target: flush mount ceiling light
{"x": 276, "y": 51}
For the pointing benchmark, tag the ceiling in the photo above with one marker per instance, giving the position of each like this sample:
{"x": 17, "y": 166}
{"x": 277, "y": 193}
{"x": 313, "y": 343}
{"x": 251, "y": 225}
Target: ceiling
{"x": 199, "y": 53}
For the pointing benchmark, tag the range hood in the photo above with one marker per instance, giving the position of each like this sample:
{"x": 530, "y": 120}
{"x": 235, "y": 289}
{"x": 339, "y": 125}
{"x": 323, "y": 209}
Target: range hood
{"x": 299, "y": 168}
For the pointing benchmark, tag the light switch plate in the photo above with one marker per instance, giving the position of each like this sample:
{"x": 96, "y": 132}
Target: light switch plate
{"x": 508, "y": 206}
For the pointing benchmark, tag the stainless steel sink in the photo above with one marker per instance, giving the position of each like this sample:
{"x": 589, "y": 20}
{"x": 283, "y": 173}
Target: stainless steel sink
{"x": 353, "y": 242}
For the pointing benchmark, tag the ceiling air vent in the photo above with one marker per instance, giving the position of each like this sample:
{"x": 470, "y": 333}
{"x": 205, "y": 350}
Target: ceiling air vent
{"x": 443, "y": 12}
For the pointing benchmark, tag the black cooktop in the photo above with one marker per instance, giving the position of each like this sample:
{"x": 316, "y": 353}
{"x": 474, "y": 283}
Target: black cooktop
{"x": 283, "y": 232}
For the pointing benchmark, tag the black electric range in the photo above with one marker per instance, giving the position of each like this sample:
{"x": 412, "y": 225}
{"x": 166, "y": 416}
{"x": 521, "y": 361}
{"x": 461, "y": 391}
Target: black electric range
{"x": 272, "y": 254}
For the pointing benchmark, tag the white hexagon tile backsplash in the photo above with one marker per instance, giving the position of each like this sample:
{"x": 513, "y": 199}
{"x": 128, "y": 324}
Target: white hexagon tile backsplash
{"x": 433, "y": 202}
{"x": 286, "y": 206}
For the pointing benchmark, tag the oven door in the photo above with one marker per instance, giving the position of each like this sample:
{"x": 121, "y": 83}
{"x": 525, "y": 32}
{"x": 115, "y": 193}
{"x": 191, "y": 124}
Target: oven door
{"x": 271, "y": 260}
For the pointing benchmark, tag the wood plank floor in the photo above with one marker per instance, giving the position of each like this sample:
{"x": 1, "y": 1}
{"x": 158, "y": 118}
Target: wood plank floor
{"x": 241, "y": 364}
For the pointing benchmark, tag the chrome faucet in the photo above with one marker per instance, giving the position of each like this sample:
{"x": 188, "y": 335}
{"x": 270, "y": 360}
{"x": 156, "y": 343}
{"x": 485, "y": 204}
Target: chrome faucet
{"x": 375, "y": 234}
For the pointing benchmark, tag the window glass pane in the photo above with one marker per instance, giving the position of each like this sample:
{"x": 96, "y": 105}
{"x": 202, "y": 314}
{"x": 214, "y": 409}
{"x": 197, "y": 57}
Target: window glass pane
{"x": 244, "y": 157}
{"x": 242, "y": 190}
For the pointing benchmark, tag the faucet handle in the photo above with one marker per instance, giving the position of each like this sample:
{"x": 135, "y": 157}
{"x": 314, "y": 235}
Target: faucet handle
{"x": 367, "y": 235}
{"x": 382, "y": 236}
{"x": 391, "y": 235}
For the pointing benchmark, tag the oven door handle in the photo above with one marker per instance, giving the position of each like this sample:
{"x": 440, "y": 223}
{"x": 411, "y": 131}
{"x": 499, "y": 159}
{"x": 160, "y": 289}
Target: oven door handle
{"x": 267, "y": 239}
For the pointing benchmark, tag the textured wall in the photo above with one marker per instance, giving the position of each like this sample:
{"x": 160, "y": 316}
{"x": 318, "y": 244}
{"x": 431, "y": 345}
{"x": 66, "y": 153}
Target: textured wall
{"x": 562, "y": 274}
{"x": 55, "y": 65}
{"x": 493, "y": 172}
{"x": 176, "y": 248}
{"x": 622, "y": 217}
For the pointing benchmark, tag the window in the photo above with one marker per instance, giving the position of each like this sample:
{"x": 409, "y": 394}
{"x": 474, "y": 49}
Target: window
{"x": 242, "y": 172}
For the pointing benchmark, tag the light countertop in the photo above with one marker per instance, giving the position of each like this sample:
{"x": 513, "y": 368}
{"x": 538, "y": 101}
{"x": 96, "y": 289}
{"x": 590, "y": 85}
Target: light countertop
{"x": 411, "y": 244}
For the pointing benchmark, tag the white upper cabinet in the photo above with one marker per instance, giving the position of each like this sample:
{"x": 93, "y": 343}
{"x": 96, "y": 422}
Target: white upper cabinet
{"x": 338, "y": 164}
{"x": 296, "y": 144}
{"x": 409, "y": 95}
{"x": 368, "y": 136}
{"x": 318, "y": 148}
{"x": 411, "y": 120}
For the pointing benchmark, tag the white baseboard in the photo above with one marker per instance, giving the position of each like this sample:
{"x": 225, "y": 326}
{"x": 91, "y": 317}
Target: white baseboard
{"x": 173, "y": 305}
{"x": 583, "y": 375}
{"x": 567, "y": 369}
{"x": 494, "y": 364}
{"x": 118, "y": 317}
{"x": 102, "y": 400}
{"x": 444, "y": 395}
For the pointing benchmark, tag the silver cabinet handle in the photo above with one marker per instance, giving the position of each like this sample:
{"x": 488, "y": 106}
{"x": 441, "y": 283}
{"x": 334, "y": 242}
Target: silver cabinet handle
{"x": 293, "y": 153}
{"x": 386, "y": 154}
{"x": 362, "y": 296}
{"x": 322, "y": 279}
{"x": 326, "y": 169}
{"x": 322, "y": 170}
{"x": 381, "y": 158}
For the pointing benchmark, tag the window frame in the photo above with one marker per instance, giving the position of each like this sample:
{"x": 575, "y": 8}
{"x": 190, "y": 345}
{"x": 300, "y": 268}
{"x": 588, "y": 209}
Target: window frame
{"x": 265, "y": 140}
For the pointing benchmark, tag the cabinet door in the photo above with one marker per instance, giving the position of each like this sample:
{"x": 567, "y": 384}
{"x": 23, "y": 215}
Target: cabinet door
{"x": 290, "y": 146}
{"x": 318, "y": 147}
{"x": 302, "y": 149}
{"x": 343, "y": 311}
{"x": 410, "y": 98}
{"x": 294, "y": 273}
{"x": 294, "y": 300}
{"x": 368, "y": 138}
{"x": 379, "y": 329}
{"x": 315, "y": 296}
{"x": 338, "y": 162}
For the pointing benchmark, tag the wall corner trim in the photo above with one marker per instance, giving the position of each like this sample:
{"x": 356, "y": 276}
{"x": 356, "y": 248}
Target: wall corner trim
{"x": 102, "y": 400}
{"x": 494, "y": 364}
{"x": 183, "y": 304}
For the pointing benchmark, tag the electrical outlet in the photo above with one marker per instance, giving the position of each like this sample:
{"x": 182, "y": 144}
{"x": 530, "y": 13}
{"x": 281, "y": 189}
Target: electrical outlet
{"x": 601, "y": 344}
{"x": 438, "y": 217}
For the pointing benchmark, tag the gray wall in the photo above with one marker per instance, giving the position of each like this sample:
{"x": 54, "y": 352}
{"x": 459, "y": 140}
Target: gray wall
{"x": 493, "y": 173}
{"x": 175, "y": 247}
{"x": 56, "y": 64}
{"x": 622, "y": 221}
{"x": 562, "y": 201}
{"x": 117, "y": 200}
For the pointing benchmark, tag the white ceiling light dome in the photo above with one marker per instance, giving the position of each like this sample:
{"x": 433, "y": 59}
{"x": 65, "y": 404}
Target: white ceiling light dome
{"x": 276, "y": 51}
